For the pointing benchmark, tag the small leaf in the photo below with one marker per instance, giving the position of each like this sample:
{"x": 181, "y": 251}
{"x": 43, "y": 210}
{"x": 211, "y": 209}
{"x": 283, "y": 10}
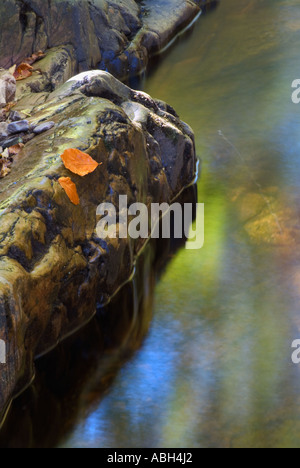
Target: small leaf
{"x": 9, "y": 106}
{"x": 23, "y": 71}
{"x": 34, "y": 57}
{"x": 5, "y": 167}
{"x": 12, "y": 69}
{"x": 5, "y": 154}
{"x": 70, "y": 189}
{"x": 78, "y": 162}
{"x": 13, "y": 150}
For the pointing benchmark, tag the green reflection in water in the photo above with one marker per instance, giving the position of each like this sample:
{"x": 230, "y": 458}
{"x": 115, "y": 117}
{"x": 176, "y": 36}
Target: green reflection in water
{"x": 237, "y": 299}
{"x": 215, "y": 370}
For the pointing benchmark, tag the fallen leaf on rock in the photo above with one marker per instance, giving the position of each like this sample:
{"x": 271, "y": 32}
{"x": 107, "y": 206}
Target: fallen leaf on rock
{"x": 35, "y": 57}
{"x": 9, "y": 106}
{"x": 5, "y": 154}
{"x": 5, "y": 167}
{"x": 78, "y": 162}
{"x": 13, "y": 150}
{"x": 12, "y": 69}
{"x": 23, "y": 71}
{"x": 70, "y": 189}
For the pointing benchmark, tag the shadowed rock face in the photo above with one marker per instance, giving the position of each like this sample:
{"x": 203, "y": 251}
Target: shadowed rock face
{"x": 107, "y": 34}
{"x": 54, "y": 269}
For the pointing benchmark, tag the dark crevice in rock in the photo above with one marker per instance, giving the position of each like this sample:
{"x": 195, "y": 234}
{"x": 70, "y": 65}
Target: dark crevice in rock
{"x": 23, "y": 17}
{"x": 144, "y": 100}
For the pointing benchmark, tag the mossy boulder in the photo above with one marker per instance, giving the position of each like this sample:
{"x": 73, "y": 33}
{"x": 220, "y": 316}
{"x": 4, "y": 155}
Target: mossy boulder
{"x": 54, "y": 269}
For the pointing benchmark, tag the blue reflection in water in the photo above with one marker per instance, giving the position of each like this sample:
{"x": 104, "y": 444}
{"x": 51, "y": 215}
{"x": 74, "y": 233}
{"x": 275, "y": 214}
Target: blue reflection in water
{"x": 141, "y": 390}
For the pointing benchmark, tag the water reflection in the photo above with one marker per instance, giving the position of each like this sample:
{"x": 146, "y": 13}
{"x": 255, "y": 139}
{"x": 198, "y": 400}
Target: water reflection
{"x": 231, "y": 80}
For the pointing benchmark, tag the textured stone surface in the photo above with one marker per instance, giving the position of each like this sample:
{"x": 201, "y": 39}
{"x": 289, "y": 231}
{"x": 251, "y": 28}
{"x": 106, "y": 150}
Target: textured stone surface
{"x": 18, "y": 127}
{"x": 53, "y": 267}
{"x": 14, "y": 116}
{"x": 7, "y": 142}
{"x": 44, "y": 127}
{"x": 7, "y": 87}
{"x": 3, "y": 129}
{"x": 117, "y": 36}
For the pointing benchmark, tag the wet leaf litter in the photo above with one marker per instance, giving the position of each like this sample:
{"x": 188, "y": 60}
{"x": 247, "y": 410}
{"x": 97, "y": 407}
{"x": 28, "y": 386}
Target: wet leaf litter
{"x": 25, "y": 69}
{"x": 14, "y": 131}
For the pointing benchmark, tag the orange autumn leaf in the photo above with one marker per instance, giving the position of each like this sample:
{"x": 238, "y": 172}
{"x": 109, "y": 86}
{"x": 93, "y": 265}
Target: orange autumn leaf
{"x": 9, "y": 106}
{"x": 34, "y": 57}
{"x": 23, "y": 71}
{"x": 78, "y": 162}
{"x": 14, "y": 150}
{"x": 5, "y": 167}
{"x": 70, "y": 189}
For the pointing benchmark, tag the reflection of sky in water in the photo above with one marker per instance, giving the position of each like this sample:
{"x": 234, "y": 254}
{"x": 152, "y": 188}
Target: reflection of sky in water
{"x": 215, "y": 369}
{"x": 144, "y": 387}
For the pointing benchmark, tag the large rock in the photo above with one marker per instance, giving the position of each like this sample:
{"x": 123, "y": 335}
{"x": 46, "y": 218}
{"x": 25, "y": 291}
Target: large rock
{"x": 54, "y": 269}
{"x": 117, "y": 36}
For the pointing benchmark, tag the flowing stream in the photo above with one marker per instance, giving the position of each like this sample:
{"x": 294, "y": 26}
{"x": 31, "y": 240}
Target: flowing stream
{"x": 215, "y": 369}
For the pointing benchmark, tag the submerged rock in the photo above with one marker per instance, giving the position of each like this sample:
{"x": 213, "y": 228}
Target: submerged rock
{"x": 54, "y": 269}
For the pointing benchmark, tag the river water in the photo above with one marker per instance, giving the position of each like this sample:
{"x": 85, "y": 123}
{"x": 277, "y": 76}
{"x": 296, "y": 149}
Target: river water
{"x": 215, "y": 368}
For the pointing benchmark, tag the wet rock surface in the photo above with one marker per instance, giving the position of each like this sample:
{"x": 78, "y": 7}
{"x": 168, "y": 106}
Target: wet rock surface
{"x": 18, "y": 127}
{"x": 44, "y": 127}
{"x": 111, "y": 35}
{"x": 13, "y": 132}
{"x": 54, "y": 269}
{"x": 7, "y": 88}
